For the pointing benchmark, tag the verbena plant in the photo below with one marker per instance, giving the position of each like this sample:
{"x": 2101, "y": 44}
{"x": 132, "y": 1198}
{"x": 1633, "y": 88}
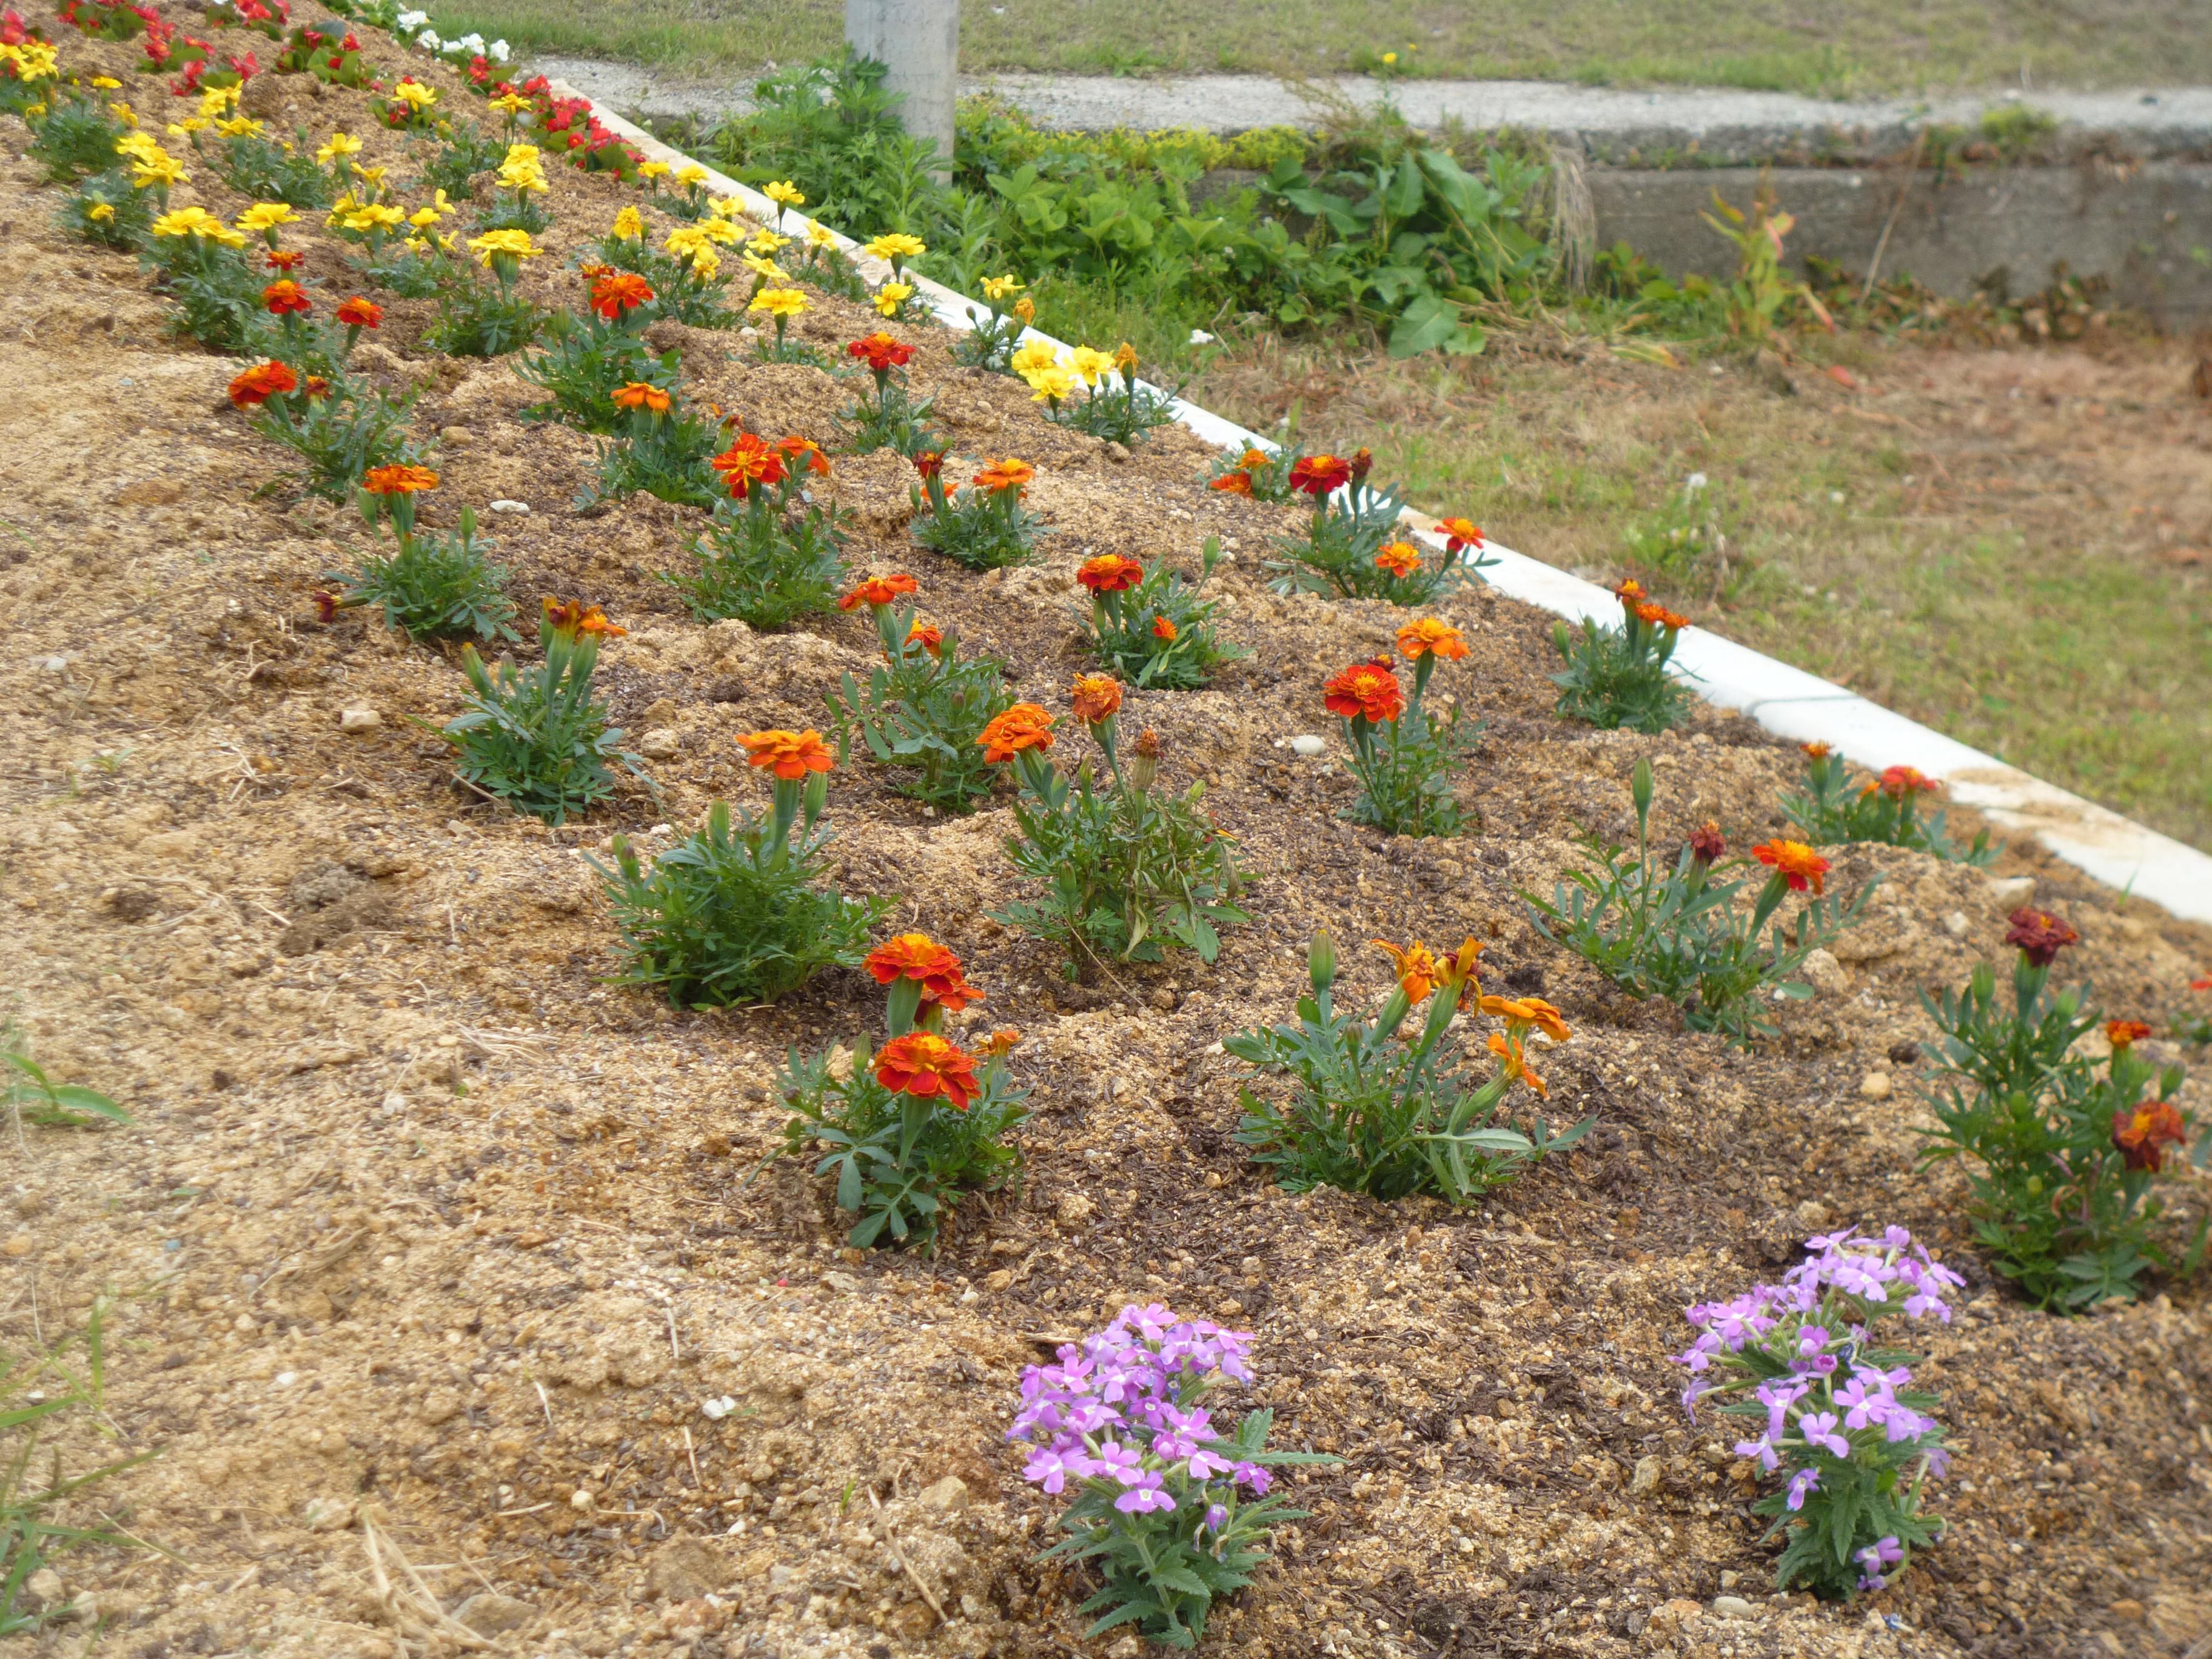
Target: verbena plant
{"x": 892, "y": 419}
{"x": 536, "y": 737}
{"x": 1886, "y": 809}
{"x": 1678, "y": 932}
{"x": 1128, "y": 872}
{"x": 1403, "y": 754}
{"x": 433, "y": 585}
{"x": 922, "y": 710}
{"x": 1150, "y": 626}
{"x": 1171, "y": 1512}
{"x": 1620, "y": 677}
{"x": 733, "y": 913}
{"x": 1367, "y": 1108}
{"x": 1795, "y": 1361}
{"x": 985, "y": 526}
{"x": 2064, "y": 1163}
{"x": 770, "y": 554}
{"x": 907, "y": 1129}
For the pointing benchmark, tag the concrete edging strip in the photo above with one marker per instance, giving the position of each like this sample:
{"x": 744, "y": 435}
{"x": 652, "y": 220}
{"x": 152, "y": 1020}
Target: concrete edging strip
{"x": 1788, "y": 701}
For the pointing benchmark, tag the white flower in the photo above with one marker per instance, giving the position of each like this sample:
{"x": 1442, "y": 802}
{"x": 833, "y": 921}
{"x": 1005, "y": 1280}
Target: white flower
{"x": 410, "y": 20}
{"x": 1693, "y": 483}
{"x": 473, "y": 42}
{"x": 498, "y": 53}
{"x": 1200, "y": 336}
{"x": 428, "y": 41}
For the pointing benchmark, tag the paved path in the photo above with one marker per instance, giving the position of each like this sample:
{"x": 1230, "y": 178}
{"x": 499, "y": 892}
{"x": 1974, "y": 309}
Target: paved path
{"x": 1724, "y": 124}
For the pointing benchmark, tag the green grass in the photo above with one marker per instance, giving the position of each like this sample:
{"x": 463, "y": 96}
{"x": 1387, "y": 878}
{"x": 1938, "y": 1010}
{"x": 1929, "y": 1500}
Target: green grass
{"x": 1847, "y": 48}
{"x": 1975, "y": 591}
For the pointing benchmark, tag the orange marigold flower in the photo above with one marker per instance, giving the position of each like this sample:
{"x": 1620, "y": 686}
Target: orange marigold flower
{"x": 1816, "y": 750}
{"x": 2039, "y": 936}
{"x": 2143, "y": 1134}
{"x": 1463, "y": 969}
{"x": 1252, "y": 459}
{"x": 1431, "y": 636}
{"x": 317, "y": 386}
{"x": 1320, "y": 475}
{"x": 1797, "y": 863}
{"x": 282, "y": 258}
{"x": 2204, "y": 984}
{"x": 750, "y": 459}
{"x": 880, "y": 352}
{"x": 1025, "y": 725}
{"x": 1658, "y": 616}
{"x": 880, "y": 590}
{"x": 920, "y": 957}
{"x": 616, "y": 294}
{"x": 284, "y": 296}
{"x": 1236, "y": 481}
{"x": 1459, "y": 534}
{"x": 1110, "y": 573}
{"x": 927, "y": 634}
{"x": 1001, "y": 1041}
{"x": 2122, "y": 1033}
{"x": 638, "y": 394}
{"x": 1629, "y": 591}
{"x": 1164, "y": 629}
{"x": 789, "y": 755}
{"x": 1898, "y": 781}
{"x": 574, "y": 616}
{"x": 358, "y": 313}
{"x": 1401, "y": 559}
{"x": 1705, "y": 843}
{"x": 1365, "y": 688}
{"x": 1516, "y": 1063}
{"x": 804, "y": 452}
{"x": 923, "y": 1065}
{"x": 1528, "y": 1011}
{"x": 1009, "y": 474}
{"x": 1418, "y": 972}
{"x": 262, "y": 382}
{"x": 1096, "y": 697}
{"x": 398, "y": 479}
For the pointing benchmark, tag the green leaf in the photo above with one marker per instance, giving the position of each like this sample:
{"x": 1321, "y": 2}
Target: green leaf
{"x": 1424, "y": 325}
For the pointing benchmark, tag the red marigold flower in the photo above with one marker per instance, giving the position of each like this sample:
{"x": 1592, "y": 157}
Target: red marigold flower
{"x": 1236, "y": 482}
{"x": 617, "y": 295}
{"x": 1164, "y": 629}
{"x": 326, "y": 606}
{"x": 789, "y": 755}
{"x": 1401, "y": 559}
{"x": 1898, "y": 781}
{"x": 1320, "y": 475}
{"x": 1365, "y": 688}
{"x": 2040, "y": 935}
{"x": 638, "y": 394}
{"x": 1096, "y": 697}
{"x": 400, "y": 479}
{"x": 1009, "y": 474}
{"x": 916, "y": 957}
{"x": 929, "y": 463}
{"x": 1705, "y": 843}
{"x": 261, "y": 382}
{"x": 1360, "y": 463}
{"x": 749, "y": 460}
{"x": 284, "y": 296}
{"x": 1025, "y": 725}
{"x": 573, "y": 617}
{"x": 2204, "y": 984}
{"x": 358, "y": 313}
{"x": 282, "y": 258}
{"x": 880, "y": 590}
{"x": 1110, "y": 573}
{"x": 880, "y": 352}
{"x": 317, "y": 386}
{"x": 1799, "y": 863}
{"x": 1431, "y": 636}
{"x": 923, "y": 1065}
{"x": 1459, "y": 534}
{"x": 804, "y": 452}
{"x": 2143, "y": 1134}
{"x": 1418, "y": 972}
{"x": 2122, "y": 1033}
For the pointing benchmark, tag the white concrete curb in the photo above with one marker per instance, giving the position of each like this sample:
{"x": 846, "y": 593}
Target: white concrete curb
{"x": 2116, "y": 851}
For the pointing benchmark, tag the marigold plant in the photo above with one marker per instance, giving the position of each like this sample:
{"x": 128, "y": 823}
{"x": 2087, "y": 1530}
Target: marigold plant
{"x": 1152, "y": 626}
{"x": 433, "y": 585}
{"x": 1622, "y": 676}
{"x": 589, "y": 357}
{"x": 735, "y": 912}
{"x": 1339, "y": 1101}
{"x": 1353, "y": 546}
{"x": 923, "y": 709}
{"x": 983, "y": 526}
{"x": 908, "y": 1129}
{"x": 341, "y": 428}
{"x": 1796, "y": 1363}
{"x": 1115, "y": 404}
{"x": 1834, "y": 809}
{"x": 1403, "y": 752}
{"x": 893, "y": 418}
{"x": 773, "y": 553}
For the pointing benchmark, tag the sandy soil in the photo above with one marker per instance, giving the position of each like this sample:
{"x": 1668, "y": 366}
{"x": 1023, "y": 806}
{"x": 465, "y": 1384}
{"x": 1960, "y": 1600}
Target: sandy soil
{"x": 428, "y": 1240}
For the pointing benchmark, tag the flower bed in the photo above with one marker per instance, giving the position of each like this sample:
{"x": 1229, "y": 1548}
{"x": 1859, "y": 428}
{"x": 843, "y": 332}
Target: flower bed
{"x": 304, "y": 876}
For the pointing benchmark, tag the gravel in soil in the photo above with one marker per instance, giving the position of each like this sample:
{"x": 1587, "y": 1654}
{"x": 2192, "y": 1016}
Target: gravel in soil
{"x": 428, "y": 1238}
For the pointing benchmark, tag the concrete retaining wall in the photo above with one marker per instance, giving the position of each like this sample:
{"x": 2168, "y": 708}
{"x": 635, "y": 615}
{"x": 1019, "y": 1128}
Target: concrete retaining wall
{"x": 2147, "y": 229}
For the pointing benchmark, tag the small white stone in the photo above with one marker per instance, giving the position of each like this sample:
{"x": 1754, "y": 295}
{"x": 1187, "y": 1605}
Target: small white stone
{"x": 1734, "y": 1607}
{"x": 1874, "y": 1085}
{"x": 359, "y": 719}
{"x": 286, "y": 1379}
{"x": 715, "y": 1410}
{"x": 503, "y": 506}
{"x": 395, "y": 1102}
{"x": 54, "y": 665}
{"x": 659, "y": 744}
{"x": 2011, "y": 889}
{"x": 1308, "y": 744}
{"x": 1956, "y": 924}
{"x": 581, "y": 1498}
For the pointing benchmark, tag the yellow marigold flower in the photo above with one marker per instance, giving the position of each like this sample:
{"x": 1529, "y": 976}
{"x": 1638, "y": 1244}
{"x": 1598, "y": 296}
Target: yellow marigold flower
{"x": 99, "y": 211}
{"x": 267, "y": 215}
{"x": 1035, "y": 354}
{"x": 761, "y": 267}
{"x": 373, "y": 175}
{"x": 724, "y": 207}
{"x": 779, "y": 301}
{"x": 515, "y": 244}
{"x": 422, "y": 218}
{"x": 706, "y": 264}
{"x": 766, "y": 241}
{"x": 896, "y": 245}
{"x": 519, "y": 176}
{"x": 783, "y": 192}
{"x": 186, "y": 221}
{"x": 892, "y": 295}
{"x": 1089, "y": 364}
{"x": 693, "y": 174}
{"x": 124, "y": 113}
{"x": 216, "y": 102}
{"x": 375, "y": 215}
{"x": 106, "y": 82}
{"x": 652, "y": 169}
{"x": 243, "y": 126}
{"x": 520, "y": 155}
{"x": 629, "y": 226}
{"x": 719, "y": 230}
{"x": 820, "y": 235}
{"x": 184, "y": 129}
{"x": 514, "y": 103}
{"x": 415, "y": 94}
{"x": 138, "y": 145}
{"x": 1050, "y": 381}
{"x": 341, "y": 144}
{"x": 997, "y": 288}
{"x": 162, "y": 170}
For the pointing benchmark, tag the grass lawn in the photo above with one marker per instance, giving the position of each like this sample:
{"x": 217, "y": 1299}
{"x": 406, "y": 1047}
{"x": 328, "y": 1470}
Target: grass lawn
{"x": 1845, "y": 48}
{"x": 2014, "y": 547}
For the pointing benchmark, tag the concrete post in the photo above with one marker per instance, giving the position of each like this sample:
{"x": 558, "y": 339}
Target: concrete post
{"x": 920, "y": 39}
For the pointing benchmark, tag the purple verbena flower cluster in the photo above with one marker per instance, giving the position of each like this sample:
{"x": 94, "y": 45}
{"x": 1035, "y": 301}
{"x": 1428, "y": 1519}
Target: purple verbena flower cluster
{"x": 1118, "y": 1410}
